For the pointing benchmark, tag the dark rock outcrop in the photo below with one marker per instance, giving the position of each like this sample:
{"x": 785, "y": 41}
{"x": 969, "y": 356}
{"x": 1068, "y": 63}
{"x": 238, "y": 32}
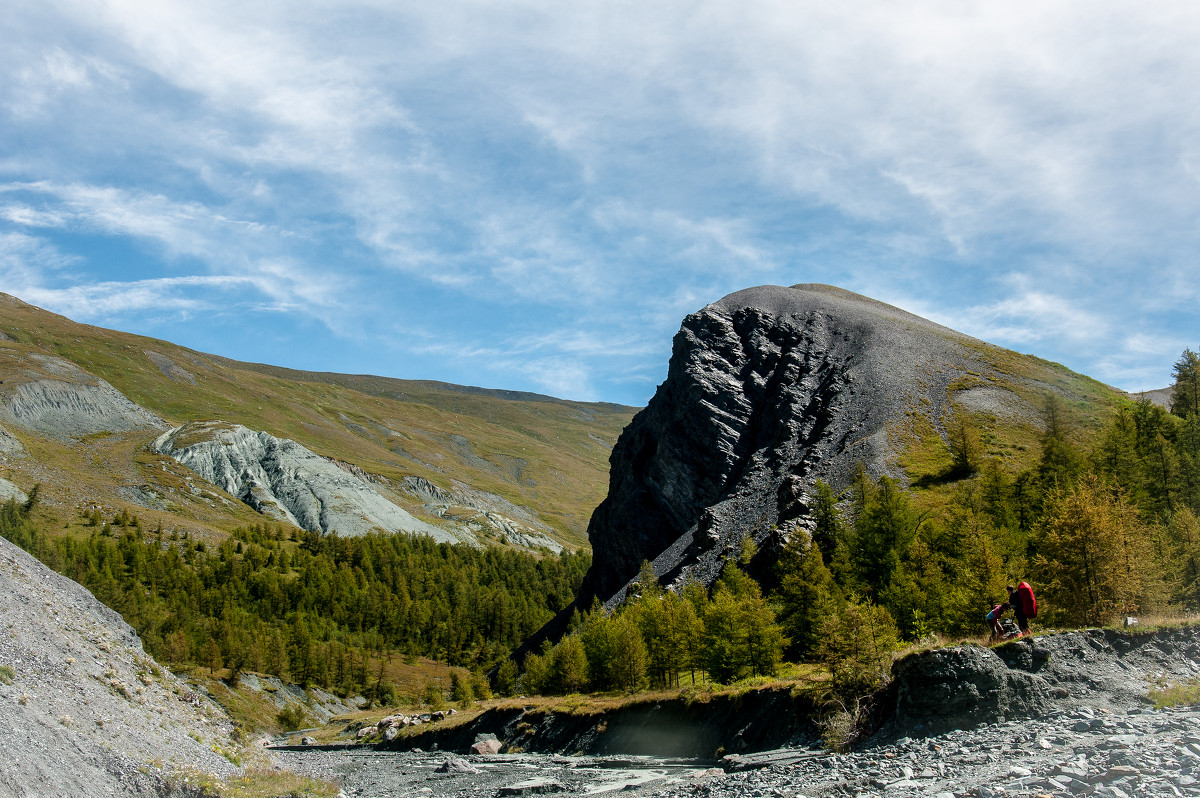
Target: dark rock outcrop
{"x": 768, "y": 390}
{"x": 967, "y": 686}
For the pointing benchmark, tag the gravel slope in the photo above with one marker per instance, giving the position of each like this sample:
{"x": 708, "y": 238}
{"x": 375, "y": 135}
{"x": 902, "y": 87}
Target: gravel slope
{"x": 85, "y": 710}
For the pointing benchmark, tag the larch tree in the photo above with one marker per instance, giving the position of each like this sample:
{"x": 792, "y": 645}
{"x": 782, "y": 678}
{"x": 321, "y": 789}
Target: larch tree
{"x": 1185, "y": 394}
{"x": 1094, "y": 558}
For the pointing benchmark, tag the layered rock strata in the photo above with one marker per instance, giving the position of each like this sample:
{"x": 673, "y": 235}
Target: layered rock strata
{"x": 286, "y": 481}
{"x": 768, "y": 390}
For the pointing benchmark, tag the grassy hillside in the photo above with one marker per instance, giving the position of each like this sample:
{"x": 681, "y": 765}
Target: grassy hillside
{"x": 1003, "y": 407}
{"x": 545, "y": 454}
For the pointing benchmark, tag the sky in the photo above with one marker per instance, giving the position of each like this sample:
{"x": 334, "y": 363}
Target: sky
{"x": 532, "y": 195}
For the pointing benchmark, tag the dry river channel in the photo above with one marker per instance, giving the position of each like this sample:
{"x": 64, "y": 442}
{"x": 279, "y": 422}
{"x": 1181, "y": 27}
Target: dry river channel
{"x": 1080, "y": 751}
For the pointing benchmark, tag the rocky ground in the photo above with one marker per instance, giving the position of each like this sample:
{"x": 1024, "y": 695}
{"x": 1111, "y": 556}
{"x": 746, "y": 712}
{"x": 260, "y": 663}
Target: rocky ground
{"x": 1142, "y": 752}
{"x": 1056, "y": 715}
{"x": 83, "y": 709}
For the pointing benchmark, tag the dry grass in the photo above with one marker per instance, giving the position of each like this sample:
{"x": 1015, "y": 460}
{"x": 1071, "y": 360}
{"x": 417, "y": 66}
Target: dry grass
{"x": 265, "y": 782}
{"x": 1187, "y": 694}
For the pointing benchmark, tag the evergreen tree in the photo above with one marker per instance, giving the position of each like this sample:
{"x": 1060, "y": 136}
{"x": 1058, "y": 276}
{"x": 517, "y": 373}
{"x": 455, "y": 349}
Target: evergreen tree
{"x": 741, "y": 635}
{"x": 965, "y": 455}
{"x": 883, "y": 530}
{"x": 506, "y": 677}
{"x": 856, "y": 647}
{"x": 568, "y": 666}
{"x": 807, "y": 595}
{"x": 1060, "y": 462}
{"x": 829, "y": 530}
{"x": 1185, "y": 394}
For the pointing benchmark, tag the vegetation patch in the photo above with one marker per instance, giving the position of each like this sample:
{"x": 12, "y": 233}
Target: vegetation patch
{"x": 1175, "y": 695}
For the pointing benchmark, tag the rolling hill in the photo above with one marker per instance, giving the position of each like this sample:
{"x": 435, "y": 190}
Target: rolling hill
{"x": 81, "y": 405}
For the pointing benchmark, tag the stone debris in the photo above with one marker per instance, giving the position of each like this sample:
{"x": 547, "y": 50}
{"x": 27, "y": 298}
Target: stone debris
{"x": 1134, "y": 752}
{"x": 85, "y": 710}
{"x": 533, "y": 787}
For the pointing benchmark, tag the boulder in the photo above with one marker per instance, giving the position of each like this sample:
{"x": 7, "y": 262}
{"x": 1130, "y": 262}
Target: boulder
{"x": 965, "y": 687}
{"x": 487, "y": 747}
{"x": 456, "y": 765}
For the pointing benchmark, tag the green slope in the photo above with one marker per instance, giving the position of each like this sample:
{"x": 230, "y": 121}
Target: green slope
{"x": 545, "y": 454}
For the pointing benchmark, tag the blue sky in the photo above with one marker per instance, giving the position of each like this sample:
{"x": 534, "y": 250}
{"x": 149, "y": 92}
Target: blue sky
{"x": 531, "y": 195}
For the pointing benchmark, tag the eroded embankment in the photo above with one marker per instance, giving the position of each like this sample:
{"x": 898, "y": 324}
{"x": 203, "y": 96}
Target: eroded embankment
{"x": 964, "y": 687}
{"x": 957, "y": 687}
{"x": 676, "y": 727}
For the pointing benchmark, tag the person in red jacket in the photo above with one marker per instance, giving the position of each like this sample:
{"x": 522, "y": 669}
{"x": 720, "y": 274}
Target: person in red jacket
{"x": 1024, "y": 605}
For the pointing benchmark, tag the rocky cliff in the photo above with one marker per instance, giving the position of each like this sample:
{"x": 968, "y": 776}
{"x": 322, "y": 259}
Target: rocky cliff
{"x": 768, "y": 390}
{"x": 56, "y": 398}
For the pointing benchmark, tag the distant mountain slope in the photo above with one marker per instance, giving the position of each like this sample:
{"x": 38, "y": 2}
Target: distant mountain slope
{"x": 773, "y": 388}
{"x": 544, "y": 458}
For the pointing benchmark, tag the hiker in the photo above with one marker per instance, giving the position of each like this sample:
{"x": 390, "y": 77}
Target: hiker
{"x": 993, "y": 618}
{"x": 1024, "y": 605}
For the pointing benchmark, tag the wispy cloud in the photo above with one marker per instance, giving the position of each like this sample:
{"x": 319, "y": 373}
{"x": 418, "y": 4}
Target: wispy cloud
{"x": 583, "y": 172}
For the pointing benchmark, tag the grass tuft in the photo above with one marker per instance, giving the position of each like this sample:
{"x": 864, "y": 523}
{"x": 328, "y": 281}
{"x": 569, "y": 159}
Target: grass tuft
{"x": 1186, "y": 694}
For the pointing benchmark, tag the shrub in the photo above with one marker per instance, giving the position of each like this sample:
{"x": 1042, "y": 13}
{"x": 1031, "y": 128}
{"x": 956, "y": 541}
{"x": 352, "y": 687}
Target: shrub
{"x": 292, "y": 718}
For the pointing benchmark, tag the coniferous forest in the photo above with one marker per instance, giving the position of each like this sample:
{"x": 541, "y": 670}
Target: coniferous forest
{"x": 313, "y": 610}
{"x": 1102, "y": 531}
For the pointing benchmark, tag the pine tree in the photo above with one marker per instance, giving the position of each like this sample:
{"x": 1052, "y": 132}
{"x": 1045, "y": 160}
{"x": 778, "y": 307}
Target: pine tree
{"x": 807, "y": 595}
{"x": 567, "y": 671}
{"x": 964, "y": 448}
{"x": 829, "y": 530}
{"x": 1185, "y": 394}
{"x": 883, "y": 530}
{"x": 856, "y": 647}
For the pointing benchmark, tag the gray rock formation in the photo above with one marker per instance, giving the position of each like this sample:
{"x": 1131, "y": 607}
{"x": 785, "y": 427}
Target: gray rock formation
{"x": 288, "y": 482}
{"x": 967, "y": 686}
{"x": 84, "y": 710}
{"x": 56, "y": 398}
{"x": 9, "y": 445}
{"x": 493, "y": 514}
{"x": 768, "y": 390}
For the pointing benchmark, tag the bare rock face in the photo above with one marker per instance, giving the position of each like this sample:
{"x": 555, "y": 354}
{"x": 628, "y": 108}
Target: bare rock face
{"x": 56, "y": 398}
{"x": 768, "y": 390}
{"x": 288, "y": 482}
{"x": 958, "y": 688}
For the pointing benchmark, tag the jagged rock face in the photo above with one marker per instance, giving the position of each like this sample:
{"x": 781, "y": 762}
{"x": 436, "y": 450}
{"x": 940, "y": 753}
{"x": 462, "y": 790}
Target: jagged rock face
{"x": 494, "y": 514}
{"x": 288, "y": 482}
{"x": 768, "y": 390}
{"x": 957, "y": 688}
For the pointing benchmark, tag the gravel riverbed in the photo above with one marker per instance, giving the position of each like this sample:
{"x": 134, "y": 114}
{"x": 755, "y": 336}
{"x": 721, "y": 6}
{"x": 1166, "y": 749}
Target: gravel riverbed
{"x": 1085, "y": 751}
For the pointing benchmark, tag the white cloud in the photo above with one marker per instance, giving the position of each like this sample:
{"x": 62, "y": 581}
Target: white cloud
{"x": 631, "y": 160}
{"x": 1030, "y": 316}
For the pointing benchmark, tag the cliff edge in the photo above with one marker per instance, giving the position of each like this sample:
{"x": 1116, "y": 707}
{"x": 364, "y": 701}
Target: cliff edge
{"x": 768, "y": 390}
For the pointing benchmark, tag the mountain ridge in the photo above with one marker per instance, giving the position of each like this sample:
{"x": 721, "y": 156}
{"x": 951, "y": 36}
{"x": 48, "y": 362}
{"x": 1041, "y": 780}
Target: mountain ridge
{"x": 772, "y": 388}
{"x": 542, "y": 454}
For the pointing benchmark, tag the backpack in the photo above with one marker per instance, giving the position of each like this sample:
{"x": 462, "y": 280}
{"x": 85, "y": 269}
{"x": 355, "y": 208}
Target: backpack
{"x": 1028, "y": 602}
